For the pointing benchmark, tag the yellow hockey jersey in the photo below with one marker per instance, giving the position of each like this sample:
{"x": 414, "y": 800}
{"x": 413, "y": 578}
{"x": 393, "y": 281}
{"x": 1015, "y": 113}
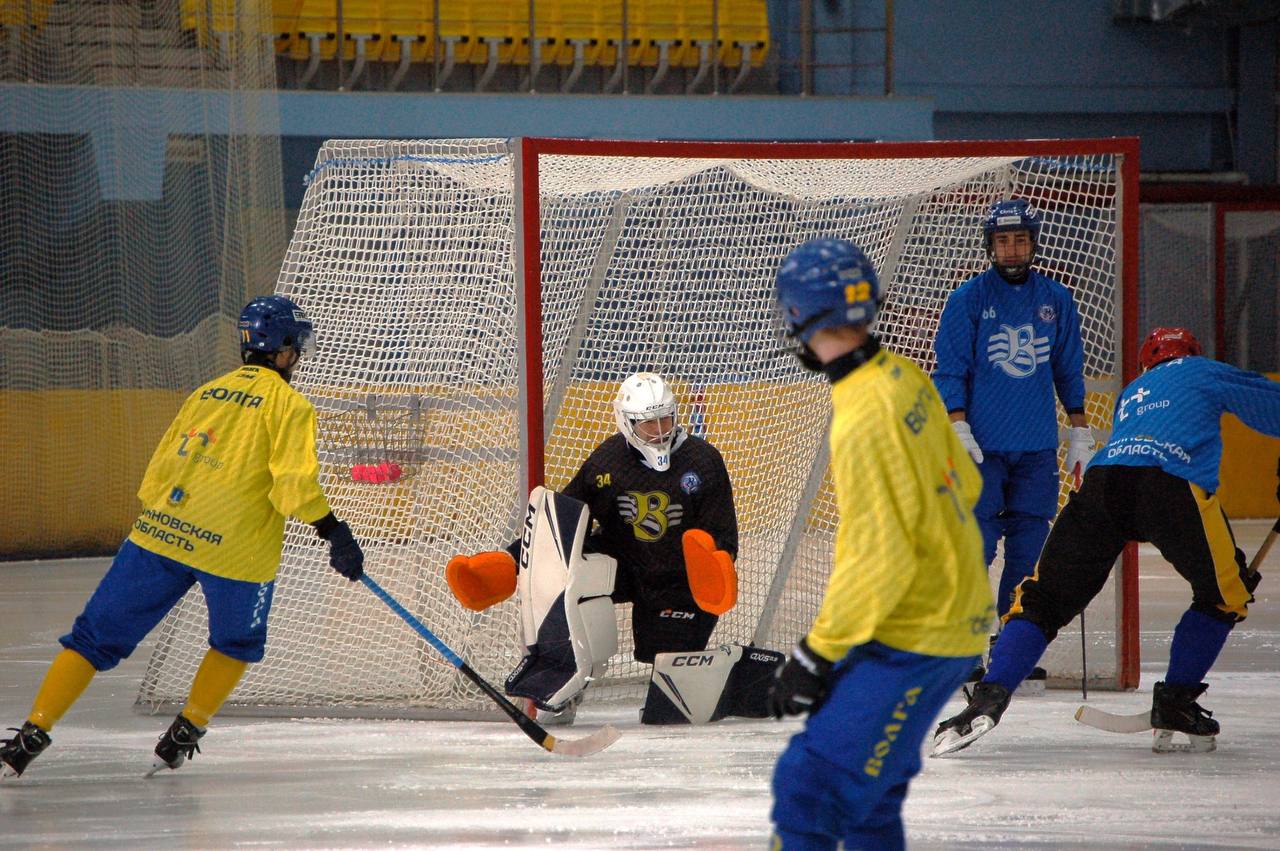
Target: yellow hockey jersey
{"x": 238, "y": 459}
{"x": 909, "y": 569}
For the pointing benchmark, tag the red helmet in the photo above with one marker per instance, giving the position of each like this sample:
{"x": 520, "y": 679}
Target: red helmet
{"x": 1164, "y": 344}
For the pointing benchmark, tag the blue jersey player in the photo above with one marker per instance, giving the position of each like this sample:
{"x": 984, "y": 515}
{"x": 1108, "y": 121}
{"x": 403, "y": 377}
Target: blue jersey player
{"x": 1154, "y": 481}
{"x": 1007, "y": 344}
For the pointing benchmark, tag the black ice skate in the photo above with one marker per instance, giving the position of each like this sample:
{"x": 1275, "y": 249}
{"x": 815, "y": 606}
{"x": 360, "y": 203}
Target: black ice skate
{"x": 177, "y": 745}
{"x": 1174, "y": 710}
{"x": 988, "y": 703}
{"x": 17, "y": 753}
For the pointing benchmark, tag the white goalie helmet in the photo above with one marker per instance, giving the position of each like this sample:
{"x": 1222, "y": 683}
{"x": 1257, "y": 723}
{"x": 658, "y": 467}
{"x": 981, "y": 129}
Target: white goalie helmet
{"x": 646, "y": 412}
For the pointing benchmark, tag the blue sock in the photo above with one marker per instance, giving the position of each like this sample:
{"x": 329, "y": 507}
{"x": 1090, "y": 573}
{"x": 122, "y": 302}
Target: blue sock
{"x": 1019, "y": 647}
{"x": 1197, "y": 641}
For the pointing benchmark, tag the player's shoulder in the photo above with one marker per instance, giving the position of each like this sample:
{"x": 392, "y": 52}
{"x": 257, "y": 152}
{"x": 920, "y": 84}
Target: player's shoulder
{"x": 610, "y": 451}
{"x": 1052, "y": 285}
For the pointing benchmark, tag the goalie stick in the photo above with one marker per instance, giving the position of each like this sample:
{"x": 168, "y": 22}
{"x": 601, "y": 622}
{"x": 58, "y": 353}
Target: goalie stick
{"x": 597, "y": 741}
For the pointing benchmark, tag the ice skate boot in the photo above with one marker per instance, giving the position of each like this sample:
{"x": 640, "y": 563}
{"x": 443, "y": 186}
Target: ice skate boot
{"x": 177, "y": 745}
{"x": 988, "y": 703}
{"x": 17, "y": 753}
{"x": 1174, "y": 710}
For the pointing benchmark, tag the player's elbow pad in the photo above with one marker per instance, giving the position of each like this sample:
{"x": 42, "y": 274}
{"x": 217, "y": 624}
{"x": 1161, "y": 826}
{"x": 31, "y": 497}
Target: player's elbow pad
{"x": 482, "y": 580}
{"x": 713, "y": 580}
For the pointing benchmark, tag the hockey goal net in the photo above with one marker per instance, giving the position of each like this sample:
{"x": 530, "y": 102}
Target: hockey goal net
{"x": 478, "y": 301}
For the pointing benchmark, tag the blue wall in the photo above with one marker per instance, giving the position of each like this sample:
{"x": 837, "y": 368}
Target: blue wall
{"x": 965, "y": 69}
{"x": 1002, "y": 69}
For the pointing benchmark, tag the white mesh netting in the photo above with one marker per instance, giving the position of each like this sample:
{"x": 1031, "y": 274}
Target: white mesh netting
{"x": 142, "y": 205}
{"x": 404, "y": 255}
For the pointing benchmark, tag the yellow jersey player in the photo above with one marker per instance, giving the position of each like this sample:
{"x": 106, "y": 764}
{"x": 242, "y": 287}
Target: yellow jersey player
{"x": 238, "y": 459}
{"x": 908, "y": 607}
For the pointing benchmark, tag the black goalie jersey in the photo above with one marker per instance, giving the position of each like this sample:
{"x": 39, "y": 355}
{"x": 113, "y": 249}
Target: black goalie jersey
{"x": 642, "y": 513}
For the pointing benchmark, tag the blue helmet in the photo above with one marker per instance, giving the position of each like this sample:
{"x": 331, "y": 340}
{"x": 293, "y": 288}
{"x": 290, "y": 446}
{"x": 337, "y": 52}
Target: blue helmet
{"x": 1015, "y": 214}
{"x": 824, "y": 283}
{"x": 274, "y": 323}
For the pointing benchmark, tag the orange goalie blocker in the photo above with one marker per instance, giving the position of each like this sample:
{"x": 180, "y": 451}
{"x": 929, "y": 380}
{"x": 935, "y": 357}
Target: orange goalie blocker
{"x": 712, "y": 577}
{"x": 482, "y": 580}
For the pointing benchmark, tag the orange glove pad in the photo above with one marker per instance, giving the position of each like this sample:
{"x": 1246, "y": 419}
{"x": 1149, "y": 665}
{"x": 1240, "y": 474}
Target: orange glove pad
{"x": 712, "y": 577}
{"x": 482, "y": 580}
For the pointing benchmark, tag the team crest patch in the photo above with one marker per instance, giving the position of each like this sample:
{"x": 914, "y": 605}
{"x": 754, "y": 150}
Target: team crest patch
{"x": 1047, "y": 313}
{"x": 689, "y": 482}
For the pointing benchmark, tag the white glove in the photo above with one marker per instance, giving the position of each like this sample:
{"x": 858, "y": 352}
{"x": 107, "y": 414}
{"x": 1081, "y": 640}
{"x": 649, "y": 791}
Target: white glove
{"x": 966, "y": 440}
{"x": 1079, "y": 452}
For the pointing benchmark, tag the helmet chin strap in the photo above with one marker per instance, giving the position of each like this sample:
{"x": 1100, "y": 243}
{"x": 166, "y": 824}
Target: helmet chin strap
{"x": 1016, "y": 273}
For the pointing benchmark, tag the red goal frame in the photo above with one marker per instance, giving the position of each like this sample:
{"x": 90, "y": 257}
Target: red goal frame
{"x": 529, "y": 271}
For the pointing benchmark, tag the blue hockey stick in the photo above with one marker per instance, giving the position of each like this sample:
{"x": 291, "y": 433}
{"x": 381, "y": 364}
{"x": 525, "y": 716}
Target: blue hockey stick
{"x": 597, "y": 741}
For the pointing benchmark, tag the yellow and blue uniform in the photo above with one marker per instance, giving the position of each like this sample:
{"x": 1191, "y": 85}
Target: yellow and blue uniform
{"x": 906, "y": 612}
{"x": 239, "y": 458}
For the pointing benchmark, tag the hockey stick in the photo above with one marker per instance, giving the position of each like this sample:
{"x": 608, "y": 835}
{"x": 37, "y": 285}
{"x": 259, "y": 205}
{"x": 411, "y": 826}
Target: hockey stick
{"x": 597, "y": 741}
{"x": 1139, "y": 721}
{"x": 1265, "y": 548}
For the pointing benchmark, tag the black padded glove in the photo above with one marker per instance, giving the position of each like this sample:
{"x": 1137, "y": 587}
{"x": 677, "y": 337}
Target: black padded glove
{"x": 800, "y": 685}
{"x": 345, "y": 555}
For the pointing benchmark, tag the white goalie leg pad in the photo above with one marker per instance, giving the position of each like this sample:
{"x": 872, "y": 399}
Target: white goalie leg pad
{"x": 567, "y": 618}
{"x": 707, "y": 685}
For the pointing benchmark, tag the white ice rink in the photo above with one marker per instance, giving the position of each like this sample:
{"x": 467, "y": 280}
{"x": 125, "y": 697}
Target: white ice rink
{"x": 1039, "y": 781}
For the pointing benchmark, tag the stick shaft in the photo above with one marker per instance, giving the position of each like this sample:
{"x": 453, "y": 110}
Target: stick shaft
{"x": 1265, "y": 548}
{"x": 530, "y": 727}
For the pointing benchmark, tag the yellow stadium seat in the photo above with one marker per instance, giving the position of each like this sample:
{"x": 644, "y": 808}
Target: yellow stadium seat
{"x": 456, "y": 28}
{"x": 743, "y": 23}
{"x": 412, "y": 21}
{"x": 595, "y": 23}
{"x": 700, "y": 31}
{"x": 24, "y": 13}
{"x": 654, "y": 23}
{"x": 218, "y": 17}
{"x": 503, "y": 23}
{"x": 362, "y": 20}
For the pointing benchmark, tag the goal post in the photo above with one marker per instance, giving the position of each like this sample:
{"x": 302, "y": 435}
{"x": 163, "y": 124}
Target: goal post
{"x": 478, "y": 301}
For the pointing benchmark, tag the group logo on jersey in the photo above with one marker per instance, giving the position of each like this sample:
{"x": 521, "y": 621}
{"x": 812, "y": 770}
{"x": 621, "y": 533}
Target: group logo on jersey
{"x": 690, "y": 482}
{"x": 1047, "y": 313}
{"x": 1139, "y": 400}
{"x": 650, "y": 514}
{"x": 1018, "y": 350}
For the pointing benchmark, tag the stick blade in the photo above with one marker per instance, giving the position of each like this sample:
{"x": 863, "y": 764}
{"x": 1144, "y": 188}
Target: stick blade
{"x": 587, "y": 745}
{"x": 1112, "y": 723}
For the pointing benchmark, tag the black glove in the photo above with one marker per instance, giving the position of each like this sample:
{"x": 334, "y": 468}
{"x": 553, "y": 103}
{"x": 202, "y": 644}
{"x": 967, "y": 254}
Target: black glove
{"x": 345, "y": 555}
{"x": 800, "y": 685}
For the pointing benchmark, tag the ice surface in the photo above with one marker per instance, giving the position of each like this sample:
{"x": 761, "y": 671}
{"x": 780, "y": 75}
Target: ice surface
{"x": 1039, "y": 781}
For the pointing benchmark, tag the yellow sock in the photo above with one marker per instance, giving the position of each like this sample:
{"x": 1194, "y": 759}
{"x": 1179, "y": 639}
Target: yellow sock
{"x": 66, "y": 680}
{"x": 215, "y": 680}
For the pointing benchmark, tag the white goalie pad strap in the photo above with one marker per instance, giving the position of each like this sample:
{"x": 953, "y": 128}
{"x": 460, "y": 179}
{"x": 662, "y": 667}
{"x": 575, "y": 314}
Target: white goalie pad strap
{"x": 567, "y": 618}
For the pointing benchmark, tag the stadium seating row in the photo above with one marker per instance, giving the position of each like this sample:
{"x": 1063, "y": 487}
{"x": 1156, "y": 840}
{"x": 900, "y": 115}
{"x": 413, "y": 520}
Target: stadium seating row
{"x": 677, "y": 33}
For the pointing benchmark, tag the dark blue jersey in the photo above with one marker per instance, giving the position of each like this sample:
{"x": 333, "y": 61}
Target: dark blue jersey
{"x": 1004, "y": 350}
{"x": 1169, "y": 417}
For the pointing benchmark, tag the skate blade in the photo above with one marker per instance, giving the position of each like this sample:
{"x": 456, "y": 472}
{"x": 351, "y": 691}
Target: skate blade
{"x": 7, "y": 773}
{"x": 1162, "y": 742}
{"x": 950, "y": 741}
{"x": 158, "y": 765}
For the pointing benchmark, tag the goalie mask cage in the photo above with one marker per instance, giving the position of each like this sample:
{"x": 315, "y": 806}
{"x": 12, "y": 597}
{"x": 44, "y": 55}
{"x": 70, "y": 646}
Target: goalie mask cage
{"x": 477, "y": 303}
